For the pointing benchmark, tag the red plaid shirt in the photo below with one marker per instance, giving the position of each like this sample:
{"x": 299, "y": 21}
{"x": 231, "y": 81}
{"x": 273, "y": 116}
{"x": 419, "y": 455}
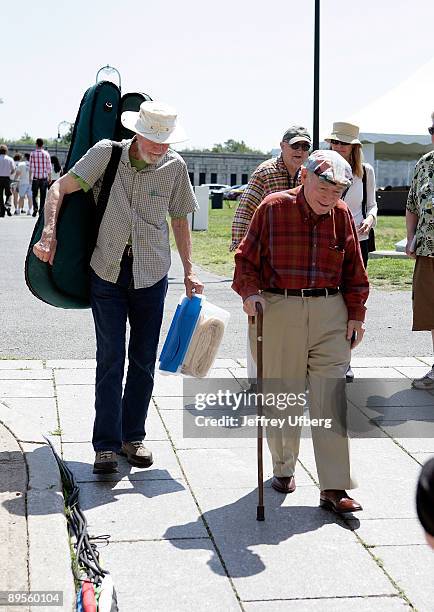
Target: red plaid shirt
{"x": 40, "y": 163}
{"x": 288, "y": 246}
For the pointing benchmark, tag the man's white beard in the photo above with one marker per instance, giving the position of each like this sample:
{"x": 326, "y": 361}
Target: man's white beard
{"x": 151, "y": 159}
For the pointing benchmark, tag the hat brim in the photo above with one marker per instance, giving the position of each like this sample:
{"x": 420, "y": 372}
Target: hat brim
{"x": 299, "y": 139}
{"x": 343, "y": 138}
{"x": 131, "y": 120}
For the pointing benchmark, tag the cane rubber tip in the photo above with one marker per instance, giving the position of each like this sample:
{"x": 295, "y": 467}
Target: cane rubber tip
{"x": 260, "y": 513}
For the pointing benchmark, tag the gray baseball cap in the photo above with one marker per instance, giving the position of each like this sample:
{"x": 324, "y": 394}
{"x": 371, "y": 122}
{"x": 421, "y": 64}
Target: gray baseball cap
{"x": 296, "y": 133}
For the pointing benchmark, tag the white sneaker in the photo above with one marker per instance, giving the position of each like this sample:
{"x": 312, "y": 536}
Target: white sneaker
{"x": 29, "y": 212}
{"x": 426, "y": 382}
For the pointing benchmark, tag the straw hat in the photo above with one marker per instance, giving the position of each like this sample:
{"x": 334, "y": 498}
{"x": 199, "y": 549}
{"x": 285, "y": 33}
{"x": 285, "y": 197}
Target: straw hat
{"x": 345, "y": 132}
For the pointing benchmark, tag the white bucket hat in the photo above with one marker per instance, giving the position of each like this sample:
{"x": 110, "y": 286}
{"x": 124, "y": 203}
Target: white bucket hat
{"x": 155, "y": 121}
{"x": 344, "y": 132}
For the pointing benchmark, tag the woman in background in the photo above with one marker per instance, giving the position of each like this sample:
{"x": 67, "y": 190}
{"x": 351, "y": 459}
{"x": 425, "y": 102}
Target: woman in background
{"x": 360, "y": 197}
{"x": 344, "y": 139}
{"x": 56, "y": 169}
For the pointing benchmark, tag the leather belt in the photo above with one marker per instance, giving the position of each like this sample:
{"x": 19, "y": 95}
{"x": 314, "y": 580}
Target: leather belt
{"x": 325, "y": 292}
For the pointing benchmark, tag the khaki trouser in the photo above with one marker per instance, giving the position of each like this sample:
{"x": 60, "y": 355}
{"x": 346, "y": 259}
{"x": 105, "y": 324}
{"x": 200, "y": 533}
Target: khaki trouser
{"x": 305, "y": 347}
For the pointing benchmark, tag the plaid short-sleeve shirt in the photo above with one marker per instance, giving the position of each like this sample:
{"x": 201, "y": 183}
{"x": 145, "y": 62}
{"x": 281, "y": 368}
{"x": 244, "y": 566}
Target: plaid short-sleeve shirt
{"x": 269, "y": 177}
{"x": 138, "y": 205}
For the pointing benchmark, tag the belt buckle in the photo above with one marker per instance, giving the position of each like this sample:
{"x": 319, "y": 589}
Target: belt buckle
{"x": 326, "y": 292}
{"x": 302, "y": 292}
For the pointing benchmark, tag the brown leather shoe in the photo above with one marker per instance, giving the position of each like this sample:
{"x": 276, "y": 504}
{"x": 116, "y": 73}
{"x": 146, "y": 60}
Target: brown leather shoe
{"x": 283, "y": 484}
{"x": 137, "y": 454}
{"x": 338, "y": 501}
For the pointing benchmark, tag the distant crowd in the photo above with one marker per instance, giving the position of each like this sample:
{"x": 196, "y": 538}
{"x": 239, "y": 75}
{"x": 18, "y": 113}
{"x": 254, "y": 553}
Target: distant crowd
{"x": 25, "y": 179}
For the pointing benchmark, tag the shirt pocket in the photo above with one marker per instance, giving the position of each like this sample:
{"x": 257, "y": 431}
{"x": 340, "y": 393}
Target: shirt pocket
{"x": 153, "y": 209}
{"x": 337, "y": 256}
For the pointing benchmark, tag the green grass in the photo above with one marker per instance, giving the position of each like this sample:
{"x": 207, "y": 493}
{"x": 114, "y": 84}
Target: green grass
{"x": 211, "y": 249}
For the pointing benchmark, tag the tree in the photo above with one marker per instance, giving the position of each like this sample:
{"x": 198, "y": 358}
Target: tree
{"x": 26, "y": 139}
{"x": 233, "y": 146}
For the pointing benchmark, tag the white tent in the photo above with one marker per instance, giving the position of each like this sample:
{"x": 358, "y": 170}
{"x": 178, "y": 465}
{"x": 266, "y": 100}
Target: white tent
{"x": 396, "y": 127}
{"x": 405, "y": 109}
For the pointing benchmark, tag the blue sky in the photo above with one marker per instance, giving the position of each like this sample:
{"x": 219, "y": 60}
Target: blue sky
{"x": 233, "y": 69}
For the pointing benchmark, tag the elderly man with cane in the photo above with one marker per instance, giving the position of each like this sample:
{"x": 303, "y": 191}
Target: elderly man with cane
{"x": 301, "y": 261}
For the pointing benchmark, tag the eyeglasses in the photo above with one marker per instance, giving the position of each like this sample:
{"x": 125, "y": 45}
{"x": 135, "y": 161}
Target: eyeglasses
{"x": 431, "y": 130}
{"x": 305, "y": 146}
{"x": 339, "y": 142}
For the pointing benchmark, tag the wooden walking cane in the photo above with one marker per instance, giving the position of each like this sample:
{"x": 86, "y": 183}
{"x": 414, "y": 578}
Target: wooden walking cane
{"x": 260, "y": 516}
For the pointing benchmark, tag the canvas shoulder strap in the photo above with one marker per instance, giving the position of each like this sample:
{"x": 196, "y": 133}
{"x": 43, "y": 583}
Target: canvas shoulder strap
{"x": 364, "y": 210}
{"x": 107, "y": 182}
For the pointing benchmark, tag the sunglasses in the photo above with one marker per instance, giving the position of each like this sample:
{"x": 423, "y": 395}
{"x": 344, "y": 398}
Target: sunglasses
{"x": 339, "y": 142}
{"x": 431, "y": 130}
{"x": 300, "y": 145}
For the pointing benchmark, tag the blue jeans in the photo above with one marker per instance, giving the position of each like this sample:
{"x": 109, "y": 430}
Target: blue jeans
{"x": 122, "y": 418}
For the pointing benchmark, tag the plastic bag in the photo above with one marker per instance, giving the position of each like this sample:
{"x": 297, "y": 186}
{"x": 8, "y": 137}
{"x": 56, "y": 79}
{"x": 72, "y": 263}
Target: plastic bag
{"x": 194, "y": 337}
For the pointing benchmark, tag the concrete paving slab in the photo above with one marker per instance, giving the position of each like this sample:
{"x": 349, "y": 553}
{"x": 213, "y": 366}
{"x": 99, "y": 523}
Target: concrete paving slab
{"x": 167, "y": 385}
{"x": 423, "y": 457}
{"x": 333, "y": 604}
{"x": 23, "y": 429}
{"x": 413, "y": 372}
{"x": 225, "y": 363}
{"x": 384, "y": 362}
{"x": 173, "y": 403}
{"x": 70, "y": 363}
{"x": 415, "y": 445}
{"x": 190, "y": 584}
{"x": 25, "y": 375}
{"x": 388, "y": 532}
{"x": 26, "y": 388}
{"x": 76, "y": 414}
{"x": 42, "y": 468}
{"x": 229, "y": 468}
{"x": 407, "y": 428}
{"x": 239, "y": 373}
{"x": 140, "y": 510}
{"x": 49, "y": 545}
{"x": 412, "y": 567}
{"x": 293, "y": 533}
{"x": 42, "y": 410}
{"x": 172, "y": 386}
{"x": 386, "y": 498}
{"x": 429, "y": 359}
{"x": 400, "y": 413}
{"x": 21, "y": 364}
{"x": 174, "y": 421}
{"x": 219, "y": 372}
{"x": 376, "y": 372}
{"x": 80, "y": 457}
{"x": 387, "y": 393}
{"x": 76, "y": 376}
{"x": 386, "y": 478}
{"x": 242, "y": 361}
{"x": 13, "y": 527}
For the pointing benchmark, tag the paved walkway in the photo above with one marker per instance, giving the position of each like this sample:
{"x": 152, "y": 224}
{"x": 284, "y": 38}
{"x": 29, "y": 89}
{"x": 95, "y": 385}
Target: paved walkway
{"x": 183, "y": 534}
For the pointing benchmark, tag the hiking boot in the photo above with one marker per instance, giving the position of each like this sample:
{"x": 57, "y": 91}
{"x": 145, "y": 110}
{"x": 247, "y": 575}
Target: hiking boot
{"x": 106, "y": 462}
{"x": 137, "y": 454}
{"x": 426, "y": 382}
